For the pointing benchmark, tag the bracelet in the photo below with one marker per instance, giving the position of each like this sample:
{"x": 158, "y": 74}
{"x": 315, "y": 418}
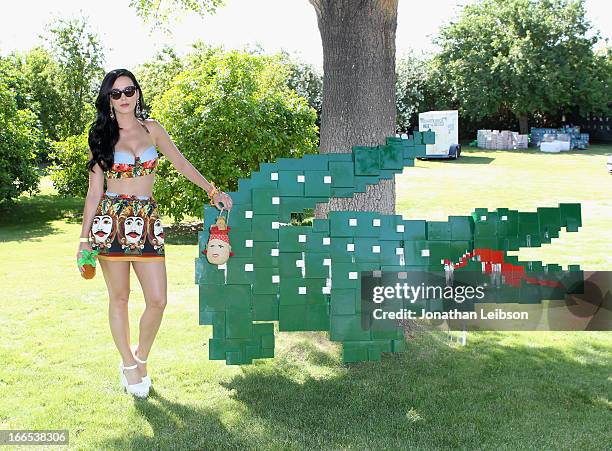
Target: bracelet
{"x": 212, "y": 193}
{"x": 84, "y": 240}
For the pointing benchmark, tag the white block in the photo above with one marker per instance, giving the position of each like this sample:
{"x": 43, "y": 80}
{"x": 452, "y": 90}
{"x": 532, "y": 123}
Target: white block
{"x": 377, "y": 273}
{"x": 352, "y": 222}
{"x": 483, "y": 218}
{"x": 301, "y": 238}
{"x": 301, "y": 179}
{"x": 248, "y": 243}
{"x": 248, "y": 214}
{"x": 327, "y": 262}
{"x": 274, "y": 252}
{"x": 399, "y": 228}
{"x": 353, "y": 275}
{"x": 299, "y": 263}
{"x": 424, "y": 252}
{"x": 504, "y": 218}
{"x": 248, "y": 267}
{"x": 326, "y": 241}
{"x": 399, "y": 251}
{"x": 350, "y": 247}
{"x": 275, "y": 200}
{"x": 301, "y": 290}
{"x": 376, "y": 249}
{"x": 326, "y": 290}
{"x": 327, "y": 179}
{"x": 376, "y": 222}
{"x": 275, "y": 224}
{"x": 275, "y": 278}
{"x": 274, "y": 176}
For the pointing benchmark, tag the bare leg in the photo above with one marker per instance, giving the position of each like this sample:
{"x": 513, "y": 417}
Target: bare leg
{"x": 117, "y": 277}
{"x": 152, "y": 278}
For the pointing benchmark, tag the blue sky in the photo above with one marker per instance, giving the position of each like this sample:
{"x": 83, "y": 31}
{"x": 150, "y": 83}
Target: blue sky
{"x": 274, "y": 24}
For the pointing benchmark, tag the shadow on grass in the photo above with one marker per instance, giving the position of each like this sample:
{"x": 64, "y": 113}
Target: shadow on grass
{"x": 30, "y": 217}
{"x": 464, "y": 159}
{"x": 425, "y": 396}
{"x": 177, "y": 426}
{"x": 594, "y": 149}
{"x": 432, "y": 396}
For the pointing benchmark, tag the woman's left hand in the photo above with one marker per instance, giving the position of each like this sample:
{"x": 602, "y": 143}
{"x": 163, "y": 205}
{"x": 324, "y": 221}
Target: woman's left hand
{"x": 222, "y": 198}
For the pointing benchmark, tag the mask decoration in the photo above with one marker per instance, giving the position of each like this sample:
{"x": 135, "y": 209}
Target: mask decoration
{"x": 218, "y": 249}
{"x": 132, "y": 230}
{"x": 156, "y": 234}
{"x": 103, "y": 230}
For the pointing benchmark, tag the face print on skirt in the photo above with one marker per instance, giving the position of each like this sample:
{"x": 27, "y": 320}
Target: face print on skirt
{"x": 103, "y": 230}
{"x": 132, "y": 225}
{"x": 156, "y": 234}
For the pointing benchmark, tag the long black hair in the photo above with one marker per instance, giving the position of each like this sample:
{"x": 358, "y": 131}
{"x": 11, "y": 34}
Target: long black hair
{"x": 104, "y": 131}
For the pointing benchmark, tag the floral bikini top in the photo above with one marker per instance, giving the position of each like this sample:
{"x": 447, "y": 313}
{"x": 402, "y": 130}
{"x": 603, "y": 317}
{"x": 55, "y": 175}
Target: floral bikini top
{"x": 126, "y": 165}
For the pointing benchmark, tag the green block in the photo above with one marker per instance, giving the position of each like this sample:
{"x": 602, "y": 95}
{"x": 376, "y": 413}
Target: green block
{"x": 207, "y": 273}
{"x": 462, "y": 228}
{"x": 438, "y": 230}
{"x": 320, "y": 225}
{"x": 238, "y": 323}
{"x": 528, "y": 223}
{"x": 342, "y": 173}
{"x": 292, "y": 317}
{"x": 316, "y": 266}
{"x": 389, "y": 252}
{"x": 417, "y": 252}
{"x": 354, "y": 354}
{"x": 266, "y": 254}
{"x": 223, "y": 297}
{"x": 318, "y": 242}
{"x": 265, "y": 201}
{"x": 390, "y": 229}
{"x": 418, "y": 138}
{"x": 342, "y": 192}
{"x": 367, "y": 160}
{"x": 242, "y": 243}
{"x": 485, "y": 225}
{"x": 291, "y": 183}
{"x": 265, "y": 307}
{"x": 240, "y": 218}
{"x": 267, "y": 281}
{"x": 392, "y": 157}
{"x": 338, "y": 249}
{"x": 345, "y": 275}
{"x": 289, "y": 265}
{"x": 347, "y": 327}
{"x": 507, "y": 222}
{"x": 317, "y": 317}
{"x": 265, "y": 228}
{"x": 367, "y": 250}
{"x": 317, "y": 162}
{"x": 429, "y": 137}
{"x": 345, "y": 301}
{"x": 571, "y": 216}
{"x": 318, "y": 183}
{"x": 414, "y": 230}
{"x": 240, "y": 270}
{"x": 293, "y": 238}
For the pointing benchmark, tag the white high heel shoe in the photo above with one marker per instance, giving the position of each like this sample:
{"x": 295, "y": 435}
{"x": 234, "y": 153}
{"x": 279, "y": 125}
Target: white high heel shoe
{"x": 140, "y": 389}
{"x": 146, "y": 379}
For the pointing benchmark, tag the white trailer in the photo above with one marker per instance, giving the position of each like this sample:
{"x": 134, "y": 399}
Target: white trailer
{"x": 445, "y": 124}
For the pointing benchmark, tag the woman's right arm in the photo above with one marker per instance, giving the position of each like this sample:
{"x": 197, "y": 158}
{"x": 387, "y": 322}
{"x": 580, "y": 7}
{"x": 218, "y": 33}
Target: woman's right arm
{"x": 94, "y": 194}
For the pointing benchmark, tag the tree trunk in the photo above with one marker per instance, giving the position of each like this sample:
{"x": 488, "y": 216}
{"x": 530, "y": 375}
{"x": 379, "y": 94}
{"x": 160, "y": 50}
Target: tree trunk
{"x": 358, "y": 107}
{"x": 523, "y": 124}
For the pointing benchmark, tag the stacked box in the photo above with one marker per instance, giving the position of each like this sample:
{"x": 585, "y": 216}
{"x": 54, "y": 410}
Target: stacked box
{"x": 308, "y": 278}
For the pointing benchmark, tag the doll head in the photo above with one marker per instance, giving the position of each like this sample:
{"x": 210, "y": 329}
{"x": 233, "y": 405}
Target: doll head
{"x": 218, "y": 249}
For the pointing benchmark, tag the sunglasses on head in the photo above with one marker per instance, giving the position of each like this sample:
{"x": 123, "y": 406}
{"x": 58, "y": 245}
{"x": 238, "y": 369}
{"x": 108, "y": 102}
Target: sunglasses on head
{"x": 128, "y": 91}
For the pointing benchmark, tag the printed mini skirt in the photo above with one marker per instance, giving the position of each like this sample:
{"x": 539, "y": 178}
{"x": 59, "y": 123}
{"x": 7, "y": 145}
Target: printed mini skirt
{"x": 127, "y": 227}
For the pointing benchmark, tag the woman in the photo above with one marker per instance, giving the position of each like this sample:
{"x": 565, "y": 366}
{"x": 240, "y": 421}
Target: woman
{"x": 123, "y": 223}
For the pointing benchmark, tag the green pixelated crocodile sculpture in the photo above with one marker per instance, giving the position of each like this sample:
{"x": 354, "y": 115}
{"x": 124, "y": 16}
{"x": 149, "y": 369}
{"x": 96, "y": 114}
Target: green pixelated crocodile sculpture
{"x": 307, "y": 278}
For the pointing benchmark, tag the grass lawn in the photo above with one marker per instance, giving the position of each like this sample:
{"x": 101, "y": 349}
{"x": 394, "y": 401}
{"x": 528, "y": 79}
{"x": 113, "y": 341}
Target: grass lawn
{"x": 58, "y": 363}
